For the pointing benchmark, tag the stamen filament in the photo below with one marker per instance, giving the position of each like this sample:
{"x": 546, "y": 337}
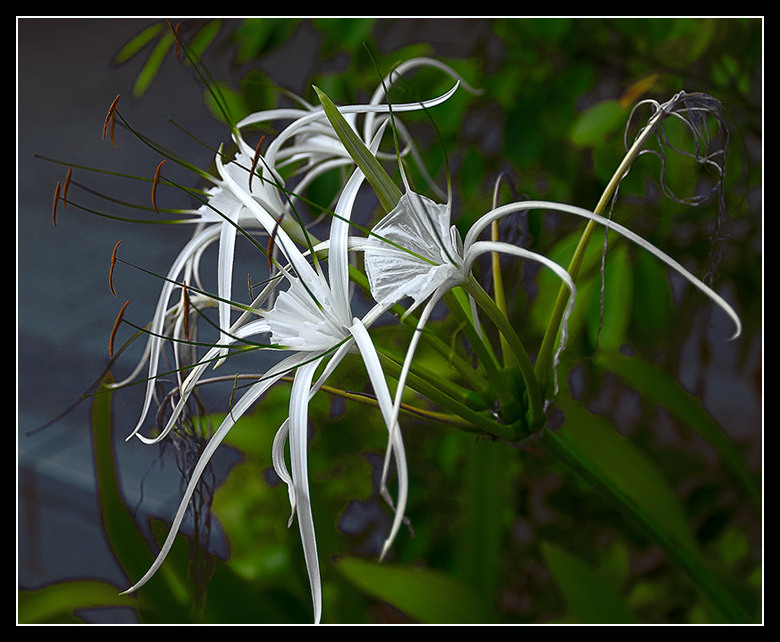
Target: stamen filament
{"x": 254, "y": 161}
{"x": 65, "y": 187}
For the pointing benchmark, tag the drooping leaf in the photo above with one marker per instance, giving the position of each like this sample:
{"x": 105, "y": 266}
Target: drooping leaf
{"x": 428, "y": 596}
{"x": 138, "y": 42}
{"x": 56, "y": 603}
{"x": 616, "y": 474}
{"x": 627, "y": 467}
{"x": 659, "y": 387}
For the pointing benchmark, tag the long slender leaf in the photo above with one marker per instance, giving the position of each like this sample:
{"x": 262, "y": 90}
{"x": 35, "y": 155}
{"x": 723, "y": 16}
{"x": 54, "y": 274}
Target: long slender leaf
{"x": 565, "y": 450}
{"x": 664, "y": 390}
{"x": 127, "y": 543}
{"x": 386, "y": 190}
{"x": 627, "y": 468}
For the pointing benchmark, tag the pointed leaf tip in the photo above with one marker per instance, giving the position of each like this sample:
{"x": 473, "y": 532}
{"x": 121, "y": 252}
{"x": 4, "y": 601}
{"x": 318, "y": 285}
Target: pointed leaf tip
{"x": 386, "y": 190}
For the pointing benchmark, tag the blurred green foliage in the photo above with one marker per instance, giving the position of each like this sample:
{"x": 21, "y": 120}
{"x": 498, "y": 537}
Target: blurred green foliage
{"x": 504, "y": 533}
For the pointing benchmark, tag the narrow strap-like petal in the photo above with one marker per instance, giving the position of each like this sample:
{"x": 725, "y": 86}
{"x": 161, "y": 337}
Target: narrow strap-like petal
{"x": 395, "y": 439}
{"x": 156, "y": 339}
{"x": 291, "y": 252}
{"x": 298, "y": 438}
{"x": 258, "y": 326}
{"x": 482, "y": 247}
{"x": 280, "y": 439}
{"x": 243, "y": 404}
{"x": 502, "y": 211}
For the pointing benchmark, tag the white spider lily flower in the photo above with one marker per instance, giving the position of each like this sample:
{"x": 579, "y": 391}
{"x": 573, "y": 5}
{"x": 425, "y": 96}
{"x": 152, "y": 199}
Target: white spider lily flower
{"x": 413, "y": 252}
{"x": 314, "y": 143}
{"x": 217, "y": 220}
{"x": 311, "y": 320}
{"x": 220, "y": 217}
{"x": 185, "y": 269}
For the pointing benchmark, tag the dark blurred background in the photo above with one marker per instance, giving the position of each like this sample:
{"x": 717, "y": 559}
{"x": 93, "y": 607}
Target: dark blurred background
{"x": 539, "y": 77}
{"x": 66, "y": 81}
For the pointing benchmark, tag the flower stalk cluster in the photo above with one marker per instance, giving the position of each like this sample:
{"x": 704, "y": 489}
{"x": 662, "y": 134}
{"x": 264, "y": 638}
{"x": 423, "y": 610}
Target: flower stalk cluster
{"x": 413, "y": 259}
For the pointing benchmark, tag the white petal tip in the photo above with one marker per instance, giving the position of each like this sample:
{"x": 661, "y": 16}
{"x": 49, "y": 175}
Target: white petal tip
{"x": 736, "y": 335}
{"x": 385, "y": 550}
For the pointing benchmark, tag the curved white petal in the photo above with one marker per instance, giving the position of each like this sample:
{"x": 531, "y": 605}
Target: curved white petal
{"x": 156, "y": 339}
{"x": 499, "y": 212}
{"x": 402, "y": 68}
{"x": 280, "y": 439}
{"x": 318, "y": 114}
{"x": 290, "y": 250}
{"x": 338, "y": 255}
{"x": 298, "y": 439}
{"x": 389, "y": 414}
{"x": 259, "y": 326}
{"x": 243, "y": 404}
{"x": 481, "y": 247}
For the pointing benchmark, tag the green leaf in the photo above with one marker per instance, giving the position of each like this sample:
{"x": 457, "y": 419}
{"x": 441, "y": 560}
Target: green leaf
{"x": 605, "y": 475}
{"x": 343, "y": 35}
{"x": 386, "y": 190}
{"x": 153, "y": 64}
{"x": 138, "y": 42}
{"x": 57, "y": 602}
{"x": 428, "y": 596}
{"x": 201, "y": 41}
{"x": 597, "y": 123}
{"x": 258, "y": 36}
{"x": 590, "y": 600}
{"x": 662, "y": 389}
{"x": 166, "y": 591}
{"x": 626, "y": 467}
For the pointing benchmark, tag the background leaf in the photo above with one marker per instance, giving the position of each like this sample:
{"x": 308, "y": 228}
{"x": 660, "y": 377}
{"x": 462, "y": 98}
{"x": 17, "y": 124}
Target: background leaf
{"x": 428, "y": 596}
{"x": 589, "y": 599}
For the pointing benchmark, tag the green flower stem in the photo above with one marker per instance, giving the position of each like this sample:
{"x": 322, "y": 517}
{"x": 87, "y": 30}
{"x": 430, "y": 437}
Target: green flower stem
{"x": 572, "y": 460}
{"x": 498, "y": 290}
{"x": 544, "y": 359}
{"x": 469, "y": 374}
{"x": 480, "y": 422}
{"x": 488, "y": 305}
{"x": 406, "y": 409}
{"x": 439, "y": 379}
{"x": 486, "y": 358}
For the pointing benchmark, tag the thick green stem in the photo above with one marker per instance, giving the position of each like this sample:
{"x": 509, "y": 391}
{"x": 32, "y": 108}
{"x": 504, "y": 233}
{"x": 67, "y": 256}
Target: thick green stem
{"x": 488, "y": 305}
{"x": 486, "y": 358}
{"x": 544, "y": 359}
{"x": 429, "y": 389}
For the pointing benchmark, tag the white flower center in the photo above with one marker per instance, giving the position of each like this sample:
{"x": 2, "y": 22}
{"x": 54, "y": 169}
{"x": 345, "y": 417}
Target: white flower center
{"x": 305, "y": 319}
{"x": 412, "y": 251}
